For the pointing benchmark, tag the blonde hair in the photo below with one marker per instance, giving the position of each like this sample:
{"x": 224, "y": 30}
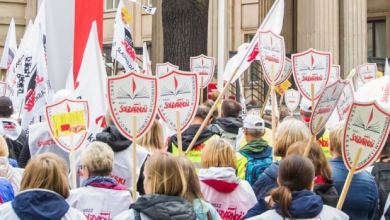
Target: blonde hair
{"x": 316, "y": 155}
{"x": 3, "y": 147}
{"x": 153, "y": 140}
{"x": 193, "y": 189}
{"x": 165, "y": 174}
{"x": 219, "y": 153}
{"x": 46, "y": 171}
{"x": 289, "y": 132}
{"x": 336, "y": 136}
{"x": 98, "y": 158}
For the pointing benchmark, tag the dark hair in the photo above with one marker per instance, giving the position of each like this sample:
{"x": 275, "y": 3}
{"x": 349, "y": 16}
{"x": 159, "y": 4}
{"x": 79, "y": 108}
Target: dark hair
{"x": 253, "y": 102}
{"x": 209, "y": 103}
{"x": 231, "y": 108}
{"x": 386, "y": 149}
{"x": 6, "y": 108}
{"x": 202, "y": 112}
{"x": 295, "y": 173}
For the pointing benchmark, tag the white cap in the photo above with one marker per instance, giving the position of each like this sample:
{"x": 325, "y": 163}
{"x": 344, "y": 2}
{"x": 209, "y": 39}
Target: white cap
{"x": 268, "y": 108}
{"x": 254, "y": 122}
{"x": 306, "y": 105}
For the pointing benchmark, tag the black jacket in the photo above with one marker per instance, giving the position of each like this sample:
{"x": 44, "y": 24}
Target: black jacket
{"x": 16, "y": 146}
{"x": 188, "y": 135}
{"x": 228, "y": 124}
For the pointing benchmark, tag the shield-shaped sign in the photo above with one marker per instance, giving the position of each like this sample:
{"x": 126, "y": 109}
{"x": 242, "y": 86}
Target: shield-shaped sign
{"x": 178, "y": 91}
{"x": 287, "y": 71}
{"x": 359, "y": 83}
{"x": 253, "y": 112}
{"x": 292, "y": 97}
{"x": 311, "y": 67}
{"x": 345, "y": 102}
{"x": 367, "y": 72}
{"x": 133, "y": 95}
{"x": 65, "y": 116}
{"x": 165, "y": 68}
{"x": 3, "y": 88}
{"x": 204, "y": 66}
{"x": 326, "y": 105}
{"x": 10, "y": 128}
{"x": 272, "y": 51}
{"x": 367, "y": 127}
{"x": 334, "y": 74}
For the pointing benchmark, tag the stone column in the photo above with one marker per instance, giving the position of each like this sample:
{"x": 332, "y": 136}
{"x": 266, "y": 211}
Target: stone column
{"x": 157, "y": 54}
{"x": 353, "y": 34}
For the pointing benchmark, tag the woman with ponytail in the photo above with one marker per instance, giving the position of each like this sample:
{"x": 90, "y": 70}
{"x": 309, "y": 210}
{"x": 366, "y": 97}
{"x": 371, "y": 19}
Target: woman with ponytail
{"x": 294, "y": 199}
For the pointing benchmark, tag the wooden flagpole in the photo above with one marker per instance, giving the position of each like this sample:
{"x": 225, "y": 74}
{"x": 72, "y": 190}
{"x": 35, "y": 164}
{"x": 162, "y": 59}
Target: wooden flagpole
{"x": 312, "y": 138}
{"x": 179, "y": 141}
{"x": 201, "y": 91}
{"x": 265, "y": 103}
{"x": 21, "y": 108}
{"x": 348, "y": 180}
{"x": 73, "y": 161}
{"x": 135, "y": 158}
{"x": 273, "y": 111}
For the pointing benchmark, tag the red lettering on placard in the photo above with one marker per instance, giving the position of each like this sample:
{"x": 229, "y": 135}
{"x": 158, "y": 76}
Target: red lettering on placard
{"x": 272, "y": 59}
{"x": 137, "y": 108}
{"x": 386, "y": 94}
{"x": 102, "y": 216}
{"x": 365, "y": 141}
{"x": 324, "y": 110}
{"x": 312, "y": 78}
{"x": 45, "y": 143}
{"x": 180, "y": 103}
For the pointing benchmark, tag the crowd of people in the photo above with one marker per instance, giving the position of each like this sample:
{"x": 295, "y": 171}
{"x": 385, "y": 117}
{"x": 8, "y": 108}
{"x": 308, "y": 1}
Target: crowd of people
{"x": 228, "y": 174}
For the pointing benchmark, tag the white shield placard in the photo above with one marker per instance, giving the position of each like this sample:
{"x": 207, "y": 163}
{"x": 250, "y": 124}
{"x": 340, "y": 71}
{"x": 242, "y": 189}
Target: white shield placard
{"x": 165, "y": 68}
{"x": 345, "y": 102}
{"x": 204, "y": 66}
{"x": 62, "y": 117}
{"x": 3, "y": 88}
{"x": 179, "y": 91}
{"x": 311, "y": 67}
{"x": 272, "y": 51}
{"x": 334, "y": 74}
{"x": 292, "y": 97}
{"x": 253, "y": 112}
{"x": 359, "y": 84}
{"x": 326, "y": 105}
{"x": 133, "y": 95}
{"x": 287, "y": 71}
{"x": 367, "y": 127}
{"x": 367, "y": 72}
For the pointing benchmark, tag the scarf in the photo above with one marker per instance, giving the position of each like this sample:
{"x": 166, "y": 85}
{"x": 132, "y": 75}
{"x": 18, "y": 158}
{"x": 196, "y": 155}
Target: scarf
{"x": 99, "y": 179}
{"x": 5, "y": 169}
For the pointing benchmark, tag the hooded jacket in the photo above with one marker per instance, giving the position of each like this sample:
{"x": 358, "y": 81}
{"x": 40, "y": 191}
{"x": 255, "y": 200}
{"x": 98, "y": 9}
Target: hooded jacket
{"x": 159, "y": 207}
{"x": 14, "y": 175}
{"x": 202, "y": 209}
{"x": 266, "y": 181}
{"x": 111, "y": 136}
{"x": 39, "y": 204}
{"x": 6, "y": 191}
{"x": 228, "y": 124}
{"x": 231, "y": 196}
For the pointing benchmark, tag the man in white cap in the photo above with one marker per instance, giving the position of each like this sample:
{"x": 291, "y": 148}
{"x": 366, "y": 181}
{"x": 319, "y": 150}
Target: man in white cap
{"x": 323, "y": 136}
{"x": 256, "y": 155}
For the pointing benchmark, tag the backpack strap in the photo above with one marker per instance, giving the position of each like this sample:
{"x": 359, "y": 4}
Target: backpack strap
{"x": 245, "y": 155}
{"x": 137, "y": 215}
{"x": 218, "y": 131}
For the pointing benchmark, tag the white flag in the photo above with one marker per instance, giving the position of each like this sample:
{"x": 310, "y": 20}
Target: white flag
{"x": 91, "y": 84}
{"x": 122, "y": 45}
{"x": 10, "y": 47}
{"x": 70, "y": 81}
{"x": 274, "y": 22}
{"x": 387, "y": 70}
{"x": 147, "y": 9}
{"x": 146, "y": 65}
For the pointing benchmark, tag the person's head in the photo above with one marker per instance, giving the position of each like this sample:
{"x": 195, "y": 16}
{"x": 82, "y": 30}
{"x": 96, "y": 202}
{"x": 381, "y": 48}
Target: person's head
{"x": 46, "y": 171}
{"x": 289, "y": 132}
{"x": 193, "y": 187}
{"x": 214, "y": 95}
{"x": 253, "y": 127}
{"x": 316, "y": 155}
{"x": 253, "y": 102}
{"x": 267, "y": 114}
{"x": 209, "y": 103}
{"x": 283, "y": 113}
{"x": 230, "y": 108}
{"x": 201, "y": 114}
{"x": 336, "y": 136}
{"x": 97, "y": 159}
{"x": 218, "y": 153}
{"x": 386, "y": 149}
{"x": 295, "y": 173}
{"x": 3, "y": 148}
{"x": 6, "y": 107}
{"x": 305, "y": 110}
{"x": 153, "y": 140}
{"x": 164, "y": 175}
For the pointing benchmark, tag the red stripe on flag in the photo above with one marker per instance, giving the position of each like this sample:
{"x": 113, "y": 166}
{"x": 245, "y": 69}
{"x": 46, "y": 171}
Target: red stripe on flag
{"x": 85, "y": 13}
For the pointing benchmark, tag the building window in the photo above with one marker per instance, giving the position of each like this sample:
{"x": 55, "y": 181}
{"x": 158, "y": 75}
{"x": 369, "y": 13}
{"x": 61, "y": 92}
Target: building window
{"x": 376, "y": 38}
{"x": 111, "y": 5}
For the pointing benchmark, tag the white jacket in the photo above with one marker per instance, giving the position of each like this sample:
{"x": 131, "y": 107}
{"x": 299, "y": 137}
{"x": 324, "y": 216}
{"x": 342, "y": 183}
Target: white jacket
{"x": 98, "y": 203}
{"x": 328, "y": 213}
{"x": 14, "y": 175}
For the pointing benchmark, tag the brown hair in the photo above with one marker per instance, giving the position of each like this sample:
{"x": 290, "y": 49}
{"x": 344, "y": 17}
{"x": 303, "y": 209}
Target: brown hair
{"x": 295, "y": 173}
{"x": 46, "y": 171}
{"x": 214, "y": 95}
{"x": 316, "y": 155}
{"x": 283, "y": 113}
{"x": 336, "y": 135}
{"x": 230, "y": 108}
{"x": 219, "y": 153}
{"x": 153, "y": 140}
{"x": 193, "y": 188}
{"x": 98, "y": 158}
{"x": 289, "y": 132}
{"x": 209, "y": 103}
{"x": 165, "y": 174}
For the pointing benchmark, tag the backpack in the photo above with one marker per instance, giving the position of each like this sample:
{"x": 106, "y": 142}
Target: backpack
{"x": 381, "y": 173}
{"x": 257, "y": 164}
{"x": 229, "y": 137}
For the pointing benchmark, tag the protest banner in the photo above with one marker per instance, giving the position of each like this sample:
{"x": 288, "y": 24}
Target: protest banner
{"x": 11, "y": 128}
{"x": 345, "y": 102}
{"x": 146, "y": 64}
{"x": 287, "y": 71}
{"x": 334, "y": 74}
{"x": 311, "y": 70}
{"x": 68, "y": 122}
{"x": 324, "y": 109}
{"x": 10, "y": 48}
{"x": 367, "y": 72}
{"x": 179, "y": 98}
{"x": 365, "y": 134}
{"x": 204, "y": 66}
{"x": 281, "y": 89}
{"x": 165, "y": 68}
{"x": 293, "y": 98}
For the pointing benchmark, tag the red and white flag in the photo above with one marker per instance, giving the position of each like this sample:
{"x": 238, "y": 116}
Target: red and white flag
{"x": 10, "y": 47}
{"x": 122, "y": 45}
{"x": 146, "y": 65}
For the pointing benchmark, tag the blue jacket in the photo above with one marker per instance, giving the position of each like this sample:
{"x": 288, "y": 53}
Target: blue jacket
{"x": 266, "y": 181}
{"x": 6, "y": 191}
{"x": 362, "y": 195}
